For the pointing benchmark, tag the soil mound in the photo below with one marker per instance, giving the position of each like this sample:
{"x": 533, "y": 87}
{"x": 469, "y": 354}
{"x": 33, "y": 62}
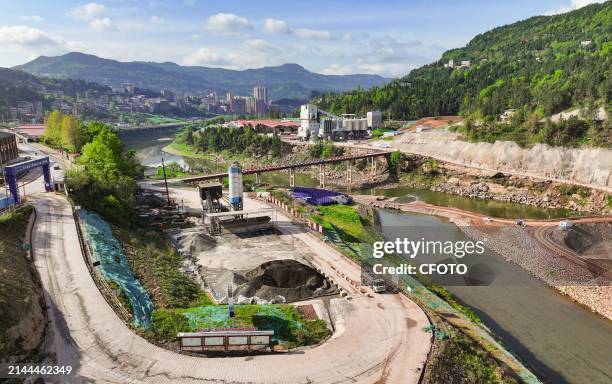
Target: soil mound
{"x": 281, "y": 281}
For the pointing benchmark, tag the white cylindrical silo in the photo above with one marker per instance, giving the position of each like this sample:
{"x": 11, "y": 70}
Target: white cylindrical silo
{"x": 234, "y": 173}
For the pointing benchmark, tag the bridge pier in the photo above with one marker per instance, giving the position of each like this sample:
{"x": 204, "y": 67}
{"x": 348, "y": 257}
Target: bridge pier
{"x": 322, "y": 175}
{"x": 349, "y": 172}
{"x": 374, "y": 164}
{"x": 291, "y": 177}
{"x": 258, "y": 178}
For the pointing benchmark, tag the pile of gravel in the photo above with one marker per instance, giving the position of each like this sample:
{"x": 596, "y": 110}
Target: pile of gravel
{"x": 282, "y": 281}
{"x": 196, "y": 242}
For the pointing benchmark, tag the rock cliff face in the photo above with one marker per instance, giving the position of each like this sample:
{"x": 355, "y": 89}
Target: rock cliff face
{"x": 591, "y": 166}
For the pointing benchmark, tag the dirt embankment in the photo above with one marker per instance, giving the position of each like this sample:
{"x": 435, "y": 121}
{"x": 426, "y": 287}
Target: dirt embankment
{"x": 519, "y": 245}
{"x": 589, "y": 166}
{"x": 22, "y": 321}
{"x": 424, "y": 172}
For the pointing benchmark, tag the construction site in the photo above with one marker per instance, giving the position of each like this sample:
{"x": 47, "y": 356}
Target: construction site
{"x": 239, "y": 253}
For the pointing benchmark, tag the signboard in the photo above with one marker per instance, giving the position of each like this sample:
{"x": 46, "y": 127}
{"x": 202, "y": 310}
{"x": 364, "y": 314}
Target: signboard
{"x": 225, "y": 339}
{"x": 26, "y": 166}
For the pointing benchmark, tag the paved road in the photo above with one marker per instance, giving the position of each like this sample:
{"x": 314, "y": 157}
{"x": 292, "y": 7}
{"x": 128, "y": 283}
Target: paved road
{"x": 376, "y": 338}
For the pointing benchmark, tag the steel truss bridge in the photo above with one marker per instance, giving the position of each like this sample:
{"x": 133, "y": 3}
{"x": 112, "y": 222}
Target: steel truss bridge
{"x": 291, "y": 167}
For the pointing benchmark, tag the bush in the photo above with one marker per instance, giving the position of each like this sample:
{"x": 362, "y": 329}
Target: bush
{"x": 167, "y": 323}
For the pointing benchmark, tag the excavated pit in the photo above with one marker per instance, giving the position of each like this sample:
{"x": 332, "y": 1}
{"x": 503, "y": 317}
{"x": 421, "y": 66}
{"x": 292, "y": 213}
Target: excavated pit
{"x": 282, "y": 281}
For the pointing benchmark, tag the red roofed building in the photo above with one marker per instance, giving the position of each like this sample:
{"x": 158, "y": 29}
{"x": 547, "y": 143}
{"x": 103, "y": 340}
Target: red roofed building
{"x": 32, "y": 132}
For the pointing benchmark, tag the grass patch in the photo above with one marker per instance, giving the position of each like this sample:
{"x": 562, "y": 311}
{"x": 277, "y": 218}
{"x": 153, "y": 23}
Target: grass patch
{"x": 462, "y": 361}
{"x": 343, "y": 217}
{"x": 284, "y": 319}
{"x": 156, "y": 263}
{"x": 173, "y": 170}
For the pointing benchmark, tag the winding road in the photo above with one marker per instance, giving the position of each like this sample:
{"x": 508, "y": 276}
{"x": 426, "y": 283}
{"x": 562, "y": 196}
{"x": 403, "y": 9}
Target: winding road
{"x": 377, "y": 339}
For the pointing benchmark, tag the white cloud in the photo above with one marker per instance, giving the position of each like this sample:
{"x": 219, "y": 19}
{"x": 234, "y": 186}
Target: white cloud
{"x": 252, "y": 53}
{"x": 87, "y": 11}
{"x": 94, "y": 14}
{"x": 312, "y": 34}
{"x": 26, "y": 36}
{"x": 258, "y": 44}
{"x": 574, "y": 4}
{"x": 103, "y": 24}
{"x": 206, "y": 56}
{"x": 157, "y": 20}
{"x": 32, "y": 42}
{"x": 30, "y": 18}
{"x": 280, "y": 26}
{"x": 227, "y": 23}
{"x": 276, "y": 26}
{"x": 336, "y": 69}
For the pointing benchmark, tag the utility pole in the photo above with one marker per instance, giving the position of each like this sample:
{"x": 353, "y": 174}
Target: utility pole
{"x": 165, "y": 181}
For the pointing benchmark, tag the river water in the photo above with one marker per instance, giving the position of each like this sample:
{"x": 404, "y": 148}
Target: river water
{"x": 561, "y": 340}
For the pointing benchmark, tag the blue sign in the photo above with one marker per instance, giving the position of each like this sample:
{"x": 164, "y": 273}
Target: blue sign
{"x": 25, "y": 166}
{"x": 11, "y": 172}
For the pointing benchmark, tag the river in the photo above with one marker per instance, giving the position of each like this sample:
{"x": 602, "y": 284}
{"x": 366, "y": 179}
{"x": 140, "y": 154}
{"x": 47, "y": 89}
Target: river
{"x": 561, "y": 340}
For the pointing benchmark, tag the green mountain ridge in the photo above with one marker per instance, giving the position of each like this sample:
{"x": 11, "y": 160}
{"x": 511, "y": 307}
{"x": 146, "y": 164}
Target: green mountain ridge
{"x": 539, "y": 66}
{"x": 285, "y": 81}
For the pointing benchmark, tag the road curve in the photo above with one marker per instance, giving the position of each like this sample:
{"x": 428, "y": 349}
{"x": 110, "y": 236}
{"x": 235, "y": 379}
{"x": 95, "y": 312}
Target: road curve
{"x": 378, "y": 339}
{"x": 543, "y": 235}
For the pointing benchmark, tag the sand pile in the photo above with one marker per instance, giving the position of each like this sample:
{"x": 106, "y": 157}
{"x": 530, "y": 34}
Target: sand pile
{"x": 281, "y": 281}
{"x": 196, "y": 242}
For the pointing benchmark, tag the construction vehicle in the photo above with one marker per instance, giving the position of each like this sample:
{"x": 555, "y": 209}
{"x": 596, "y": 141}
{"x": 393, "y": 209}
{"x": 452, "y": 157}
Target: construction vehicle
{"x": 377, "y": 284}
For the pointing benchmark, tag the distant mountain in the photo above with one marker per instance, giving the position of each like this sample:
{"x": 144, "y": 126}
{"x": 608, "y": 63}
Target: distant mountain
{"x": 285, "y": 81}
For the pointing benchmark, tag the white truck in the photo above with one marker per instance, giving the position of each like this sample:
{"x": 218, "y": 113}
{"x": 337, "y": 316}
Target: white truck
{"x": 378, "y": 285}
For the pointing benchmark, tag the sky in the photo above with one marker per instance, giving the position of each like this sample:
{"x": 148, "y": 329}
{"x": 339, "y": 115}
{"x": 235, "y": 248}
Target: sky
{"x": 388, "y": 37}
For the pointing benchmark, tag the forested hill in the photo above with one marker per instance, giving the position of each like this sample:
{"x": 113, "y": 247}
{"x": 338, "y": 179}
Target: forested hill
{"x": 541, "y": 65}
{"x": 21, "y": 86}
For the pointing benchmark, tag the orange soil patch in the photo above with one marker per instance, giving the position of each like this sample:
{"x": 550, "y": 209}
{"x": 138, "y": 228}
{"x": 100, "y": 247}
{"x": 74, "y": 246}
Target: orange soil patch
{"x": 308, "y": 312}
{"x": 435, "y": 122}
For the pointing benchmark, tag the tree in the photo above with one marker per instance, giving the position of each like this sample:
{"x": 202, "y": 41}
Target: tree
{"x": 71, "y": 139}
{"x": 53, "y": 128}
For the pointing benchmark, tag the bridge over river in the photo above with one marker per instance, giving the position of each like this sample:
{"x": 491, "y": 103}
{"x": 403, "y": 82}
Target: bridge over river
{"x": 350, "y": 159}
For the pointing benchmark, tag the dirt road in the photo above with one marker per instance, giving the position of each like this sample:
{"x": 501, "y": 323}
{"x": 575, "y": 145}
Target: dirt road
{"x": 376, "y": 339}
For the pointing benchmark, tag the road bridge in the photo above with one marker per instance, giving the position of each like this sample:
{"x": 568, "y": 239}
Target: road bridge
{"x": 350, "y": 159}
{"x": 155, "y": 126}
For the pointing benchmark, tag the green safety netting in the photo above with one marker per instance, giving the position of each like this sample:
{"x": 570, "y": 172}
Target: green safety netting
{"x": 114, "y": 266}
{"x": 265, "y": 317}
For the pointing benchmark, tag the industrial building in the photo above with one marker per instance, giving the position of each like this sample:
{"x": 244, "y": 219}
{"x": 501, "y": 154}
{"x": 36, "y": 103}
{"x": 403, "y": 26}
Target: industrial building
{"x": 315, "y": 122}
